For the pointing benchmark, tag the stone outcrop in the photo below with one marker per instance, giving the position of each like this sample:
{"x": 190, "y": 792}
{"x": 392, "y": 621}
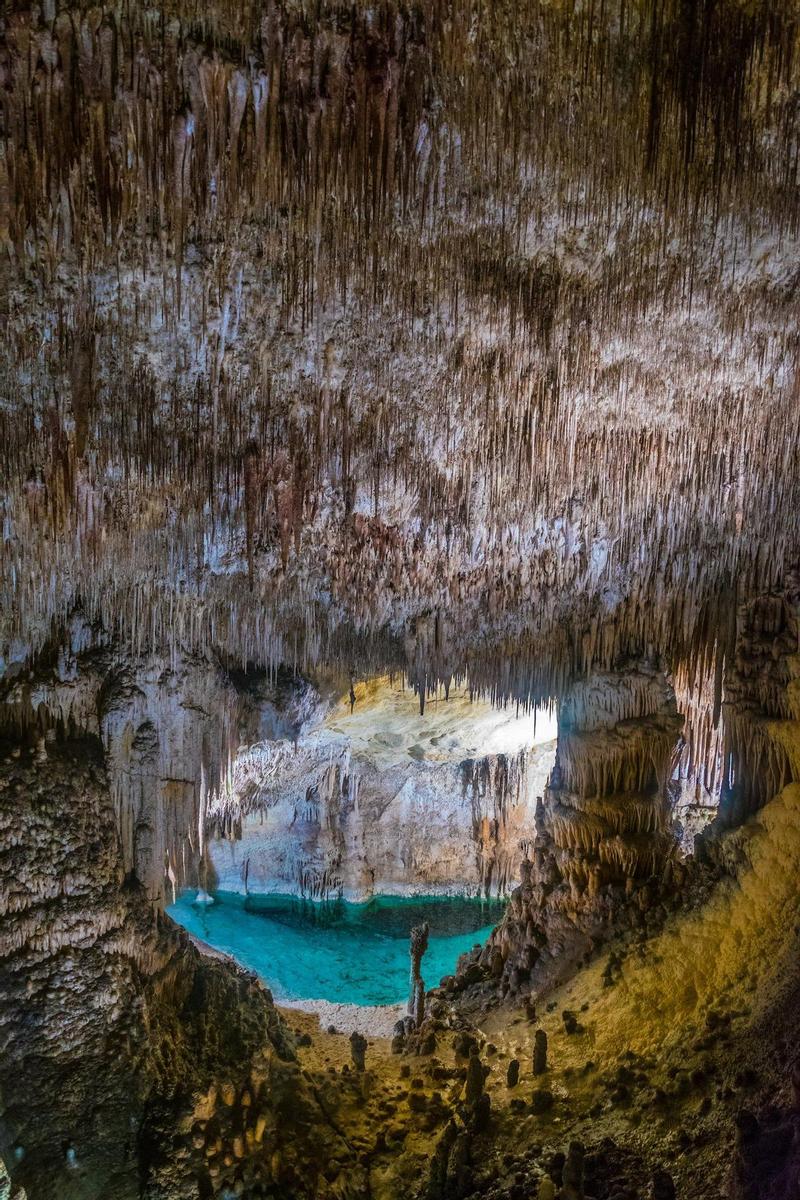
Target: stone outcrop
{"x": 604, "y": 849}
{"x": 127, "y": 1075}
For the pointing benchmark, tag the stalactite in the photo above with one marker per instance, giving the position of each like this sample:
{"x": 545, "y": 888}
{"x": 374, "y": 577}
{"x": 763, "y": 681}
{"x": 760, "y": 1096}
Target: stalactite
{"x": 607, "y": 800}
{"x": 507, "y": 417}
{"x": 496, "y": 786}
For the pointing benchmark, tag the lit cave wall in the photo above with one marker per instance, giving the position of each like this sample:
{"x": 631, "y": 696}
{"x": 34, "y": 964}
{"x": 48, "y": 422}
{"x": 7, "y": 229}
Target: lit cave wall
{"x": 383, "y": 799}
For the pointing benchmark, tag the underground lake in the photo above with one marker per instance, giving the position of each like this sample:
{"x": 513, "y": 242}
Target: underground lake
{"x": 335, "y": 950}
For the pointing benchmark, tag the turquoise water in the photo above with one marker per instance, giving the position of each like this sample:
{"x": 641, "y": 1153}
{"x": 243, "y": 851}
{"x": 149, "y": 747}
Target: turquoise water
{"x": 347, "y": 953}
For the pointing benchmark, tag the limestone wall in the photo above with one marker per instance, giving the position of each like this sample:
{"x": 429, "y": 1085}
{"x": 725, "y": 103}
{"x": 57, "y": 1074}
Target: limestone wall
{"x": 384, "y": 799}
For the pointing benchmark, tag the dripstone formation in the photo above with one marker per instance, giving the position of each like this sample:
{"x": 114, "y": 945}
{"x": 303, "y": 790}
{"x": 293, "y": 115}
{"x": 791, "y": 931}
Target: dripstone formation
{"x": 139, "y": 1064}
{"x": 603, "y": 837}
{"x": 447, "y": 350}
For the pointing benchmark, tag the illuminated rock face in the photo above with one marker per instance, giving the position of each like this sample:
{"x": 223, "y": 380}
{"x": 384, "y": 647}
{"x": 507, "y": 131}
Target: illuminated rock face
{"x": 453, "y": 830}
{"x": 386, "y": 799}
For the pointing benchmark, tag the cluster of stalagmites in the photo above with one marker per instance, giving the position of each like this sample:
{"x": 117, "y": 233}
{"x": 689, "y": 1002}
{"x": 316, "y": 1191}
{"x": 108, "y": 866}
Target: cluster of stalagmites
{"x": 707, "y": 1090}
{"x": 465, "y": 1162}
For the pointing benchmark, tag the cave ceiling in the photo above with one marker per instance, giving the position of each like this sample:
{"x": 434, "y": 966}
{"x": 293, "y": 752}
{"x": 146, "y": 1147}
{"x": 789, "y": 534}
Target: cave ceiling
{"x": 458, "y": 338}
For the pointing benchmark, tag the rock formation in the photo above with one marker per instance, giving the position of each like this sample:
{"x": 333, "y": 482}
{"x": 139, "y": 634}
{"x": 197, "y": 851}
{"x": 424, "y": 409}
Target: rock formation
{"x": 416, "y": 995}
{"x": 358, "y": 1050}
{"x": 449, "y": 344}
{"x": 539, "y": 1052}
{"x": 382, "y": 335}
{"x": 603, "y": 839}
{"x": 381, "y": 801}
{"x": 128, "y": 1075}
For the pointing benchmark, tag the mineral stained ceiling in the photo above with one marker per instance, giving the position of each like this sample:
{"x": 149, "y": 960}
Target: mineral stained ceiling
{"x": 458, "y": 337}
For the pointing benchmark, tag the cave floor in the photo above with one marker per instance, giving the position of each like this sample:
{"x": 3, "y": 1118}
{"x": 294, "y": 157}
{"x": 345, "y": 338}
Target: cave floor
{"x": 394, "y": 1115}
{"x": 669, "y": 1099}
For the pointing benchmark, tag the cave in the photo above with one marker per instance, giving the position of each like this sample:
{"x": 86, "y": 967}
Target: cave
{"x": 356, "y": 819}
{"x": 399, "y": 600}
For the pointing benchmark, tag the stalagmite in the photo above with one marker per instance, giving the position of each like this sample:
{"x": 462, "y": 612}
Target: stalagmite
{"x": 416, "y": 999}
{"x": 572, "y": 1188}
{"x": 476, "y": 1078}
{"x": 539, "y": 1052}
{"x": 358, "y": 1050}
